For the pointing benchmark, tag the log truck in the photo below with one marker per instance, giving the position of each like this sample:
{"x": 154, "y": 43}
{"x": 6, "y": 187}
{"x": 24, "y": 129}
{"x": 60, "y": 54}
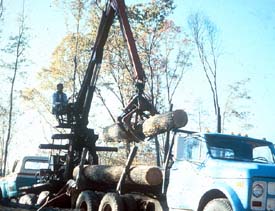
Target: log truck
{"x": 77, "y": 175}
{"x": 216, "y": 171}
{"x": 210, "y": 172}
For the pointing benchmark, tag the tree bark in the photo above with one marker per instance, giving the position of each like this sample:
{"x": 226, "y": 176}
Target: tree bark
{"x": 161, "y": 123}
{"x": 138, "y": 175}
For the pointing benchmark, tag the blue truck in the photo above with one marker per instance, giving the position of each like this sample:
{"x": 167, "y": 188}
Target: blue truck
{"x": 210, "y": 172}
{"x": 221, "y": 172}
{"x": 24, "y": 174}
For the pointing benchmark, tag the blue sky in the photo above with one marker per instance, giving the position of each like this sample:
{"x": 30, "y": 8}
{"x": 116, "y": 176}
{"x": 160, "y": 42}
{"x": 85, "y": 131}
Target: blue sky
{"x": 247, "y": 33}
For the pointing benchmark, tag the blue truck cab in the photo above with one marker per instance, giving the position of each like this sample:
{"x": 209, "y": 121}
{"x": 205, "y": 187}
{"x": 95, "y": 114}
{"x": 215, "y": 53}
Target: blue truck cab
{"x": 222, "y": 172}
{"x": 24, "y": 173}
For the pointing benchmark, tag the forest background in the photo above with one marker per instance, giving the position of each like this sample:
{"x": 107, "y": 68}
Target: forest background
{"x": 55, "y": 40}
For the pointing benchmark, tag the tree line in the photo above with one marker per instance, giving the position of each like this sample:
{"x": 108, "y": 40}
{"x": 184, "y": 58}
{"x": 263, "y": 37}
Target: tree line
{"x": 166, "y": 51}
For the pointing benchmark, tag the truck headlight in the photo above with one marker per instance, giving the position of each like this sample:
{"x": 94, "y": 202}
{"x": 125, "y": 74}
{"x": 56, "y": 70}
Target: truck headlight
{"x": 257, "y": 190}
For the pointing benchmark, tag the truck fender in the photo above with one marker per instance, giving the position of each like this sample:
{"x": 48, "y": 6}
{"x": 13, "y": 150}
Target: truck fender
{"x": 221, "y": 190}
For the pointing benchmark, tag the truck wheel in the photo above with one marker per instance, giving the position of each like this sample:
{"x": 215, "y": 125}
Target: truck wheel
{"x": 218, "y": 205}
{"x": 87, "y": 201}
{"x": 129, "y": 202}
{"x": 111, "y": 202}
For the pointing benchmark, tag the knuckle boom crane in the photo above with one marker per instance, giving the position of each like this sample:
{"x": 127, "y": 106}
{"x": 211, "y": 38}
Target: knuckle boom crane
{"x": 81, "y": 139}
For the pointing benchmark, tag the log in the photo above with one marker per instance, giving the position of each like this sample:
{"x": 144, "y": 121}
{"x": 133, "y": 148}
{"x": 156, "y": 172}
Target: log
{"x": 113, "y": 133}
{"x": 154, "y": 125}
{"x": 138, "y": 175}
{"x": 161, "y": 123}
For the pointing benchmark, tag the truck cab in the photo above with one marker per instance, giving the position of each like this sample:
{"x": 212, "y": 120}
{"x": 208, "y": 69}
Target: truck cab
{"x": 24, "y": 173}
{"x": 225, "y": 172}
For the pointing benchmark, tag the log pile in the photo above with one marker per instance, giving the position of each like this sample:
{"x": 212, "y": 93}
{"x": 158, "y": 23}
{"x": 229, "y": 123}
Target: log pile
{"x": 152, "y": 126}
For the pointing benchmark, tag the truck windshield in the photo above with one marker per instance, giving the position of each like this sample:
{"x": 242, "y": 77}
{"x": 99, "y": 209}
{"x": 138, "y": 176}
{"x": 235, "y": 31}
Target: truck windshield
{"x": 36, "y": 164}
{"x": 240, "y": 148}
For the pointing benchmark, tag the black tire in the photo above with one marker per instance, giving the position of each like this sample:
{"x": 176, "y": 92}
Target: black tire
{"x": 218, "y": 205}
{"x": 129, "y": 202}
{"x": 87, "y": 201}
{"x": 111, "y": 202}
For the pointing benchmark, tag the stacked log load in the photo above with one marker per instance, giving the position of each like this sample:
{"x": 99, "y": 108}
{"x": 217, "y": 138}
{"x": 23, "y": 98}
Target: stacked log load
{"x": 102, "y": 177}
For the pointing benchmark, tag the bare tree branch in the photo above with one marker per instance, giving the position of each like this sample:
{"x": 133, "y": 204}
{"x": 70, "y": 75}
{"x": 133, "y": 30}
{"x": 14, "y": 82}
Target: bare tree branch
{"x": 105, "y": 105}
{"x": 18, "y": 53}
{"x": 1, "y": 8}
{"x": 204, "y": 34}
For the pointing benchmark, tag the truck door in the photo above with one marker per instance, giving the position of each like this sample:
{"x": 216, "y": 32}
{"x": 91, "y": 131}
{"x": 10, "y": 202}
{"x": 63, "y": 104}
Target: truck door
{"x": 185, "y": 176}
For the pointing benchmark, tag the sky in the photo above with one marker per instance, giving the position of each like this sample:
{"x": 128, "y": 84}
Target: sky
{"x": 246, "y": 31}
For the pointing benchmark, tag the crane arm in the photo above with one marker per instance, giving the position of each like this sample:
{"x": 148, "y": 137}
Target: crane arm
{"x": 81, "y": 136}
{"x": 84, "y": 99}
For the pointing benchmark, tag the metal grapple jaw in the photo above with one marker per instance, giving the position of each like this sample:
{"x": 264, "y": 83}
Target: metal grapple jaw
{"x": 138, "y": 109}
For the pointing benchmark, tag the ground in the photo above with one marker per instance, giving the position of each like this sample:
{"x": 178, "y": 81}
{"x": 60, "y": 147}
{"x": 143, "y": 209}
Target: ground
{"x": 4, "y": 208}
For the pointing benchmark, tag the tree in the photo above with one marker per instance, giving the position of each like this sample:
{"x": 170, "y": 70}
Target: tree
{"x": 158, "y": 41}
{"x": 16, "y": 47}
{"x": 174, "y": 61}
{"x": 150, "y": 26}
{"x": 77, "y": 9}
{"x": 174, "y": 68}
{"x": 3, "y": 115}
{"x": 204, "y": 35}
{"x": 3, "y": 111}
{"x": 70, "y": 57}
{"x": 1, "y": 8}
{"x": 238, "y": 96}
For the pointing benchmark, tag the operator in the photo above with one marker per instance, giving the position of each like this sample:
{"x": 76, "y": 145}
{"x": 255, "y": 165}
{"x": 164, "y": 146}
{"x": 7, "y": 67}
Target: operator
{"x": 60, "y": 101}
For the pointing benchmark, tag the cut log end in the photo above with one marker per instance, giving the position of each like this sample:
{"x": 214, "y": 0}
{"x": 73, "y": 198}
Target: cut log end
{"x": 113, "y": 133}
{"x": 154, "y": 177}
{"x": 180, "y": 118}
